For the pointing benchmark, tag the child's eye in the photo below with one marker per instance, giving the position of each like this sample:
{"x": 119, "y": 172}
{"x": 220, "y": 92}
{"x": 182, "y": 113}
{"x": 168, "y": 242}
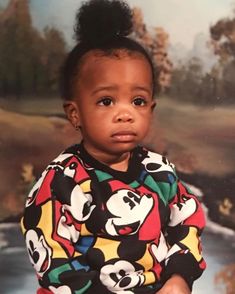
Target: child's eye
{"x": 139, "y": 101}
{"x": 106, "y": 101}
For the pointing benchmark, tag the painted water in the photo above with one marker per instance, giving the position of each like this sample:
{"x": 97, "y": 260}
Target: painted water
{"x": 17, "y": 275}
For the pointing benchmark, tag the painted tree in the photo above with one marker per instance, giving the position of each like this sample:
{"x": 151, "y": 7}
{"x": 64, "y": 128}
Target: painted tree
{"x": 14, "y": 48}
{"x": 225, "y": 279}
{"x": 157, "y": 43}
{"x": 28, "y": 61}
{"x": 223, "y": 38}
{"x": 223, "y": 42}
{"x": 186, "y": 81}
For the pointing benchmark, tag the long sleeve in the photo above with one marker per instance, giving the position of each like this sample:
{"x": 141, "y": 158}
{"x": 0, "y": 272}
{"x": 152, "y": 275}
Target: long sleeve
{"x": 89, "y": 231}
{"x": 55, "y": 210}
{"x": 183, "y": 235}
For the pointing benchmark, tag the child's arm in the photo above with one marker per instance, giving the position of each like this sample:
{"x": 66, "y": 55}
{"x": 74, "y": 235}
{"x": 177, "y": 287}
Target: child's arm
{"x": 55, "y": 211}
{"x": 184, "y": 258}
{"x": 175, "y": 285}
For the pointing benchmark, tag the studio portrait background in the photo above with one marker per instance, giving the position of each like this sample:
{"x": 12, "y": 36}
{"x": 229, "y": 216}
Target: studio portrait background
{"x": 193, "y": 45}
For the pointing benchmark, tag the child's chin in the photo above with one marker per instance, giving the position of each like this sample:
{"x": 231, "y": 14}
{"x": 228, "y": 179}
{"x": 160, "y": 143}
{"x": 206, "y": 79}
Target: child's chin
{"x": 124, "y": 147}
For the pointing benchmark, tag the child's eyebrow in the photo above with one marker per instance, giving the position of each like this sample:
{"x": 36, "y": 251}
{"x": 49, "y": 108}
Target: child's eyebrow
{"x": 114, "y": 88}
{"x": 144, "y": 89}
{"x": 105, "y": 88}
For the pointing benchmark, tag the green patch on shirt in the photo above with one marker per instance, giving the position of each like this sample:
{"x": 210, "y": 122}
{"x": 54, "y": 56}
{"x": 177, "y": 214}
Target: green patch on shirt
{"x": 157, "y": 187}
{"x": 102, "y": 176}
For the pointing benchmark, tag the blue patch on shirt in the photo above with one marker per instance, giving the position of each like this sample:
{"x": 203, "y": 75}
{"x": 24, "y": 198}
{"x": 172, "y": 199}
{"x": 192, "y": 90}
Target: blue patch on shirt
{"x": 84, "y": 244}
{"x": 171, "y": 178}
{"x": 143, "y": 174}
{"x": 78, "y": 266}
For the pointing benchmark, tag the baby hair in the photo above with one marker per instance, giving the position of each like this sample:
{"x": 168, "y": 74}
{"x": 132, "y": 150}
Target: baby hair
{"x": 103, "y": 25}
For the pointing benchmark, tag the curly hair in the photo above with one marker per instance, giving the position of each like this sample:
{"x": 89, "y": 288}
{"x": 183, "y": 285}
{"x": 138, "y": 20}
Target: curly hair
{"x": 103, "y": 25}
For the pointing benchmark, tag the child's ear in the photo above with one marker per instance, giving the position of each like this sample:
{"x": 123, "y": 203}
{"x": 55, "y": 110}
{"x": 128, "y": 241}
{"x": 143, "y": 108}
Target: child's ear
{"x": 153, "y": 105}
{"x": 72, "y": 112}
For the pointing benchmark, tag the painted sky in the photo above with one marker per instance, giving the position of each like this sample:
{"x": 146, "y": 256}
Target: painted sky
{"x": 182, "y": 19}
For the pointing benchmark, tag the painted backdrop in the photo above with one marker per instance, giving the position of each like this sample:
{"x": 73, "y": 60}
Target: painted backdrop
{"x": 192, "y": 43}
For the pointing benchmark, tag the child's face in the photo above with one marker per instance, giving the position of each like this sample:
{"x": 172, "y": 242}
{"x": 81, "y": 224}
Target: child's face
{"x": 113, "y": 101}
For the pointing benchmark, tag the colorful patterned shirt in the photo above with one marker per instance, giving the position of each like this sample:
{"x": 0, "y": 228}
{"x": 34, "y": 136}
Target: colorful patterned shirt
{"x": 92, "y": 229}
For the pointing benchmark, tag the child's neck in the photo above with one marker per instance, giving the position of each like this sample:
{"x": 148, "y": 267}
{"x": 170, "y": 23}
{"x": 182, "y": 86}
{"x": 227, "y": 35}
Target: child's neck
{"x": 122, "y": 163}
{"x": 118, "y": 162}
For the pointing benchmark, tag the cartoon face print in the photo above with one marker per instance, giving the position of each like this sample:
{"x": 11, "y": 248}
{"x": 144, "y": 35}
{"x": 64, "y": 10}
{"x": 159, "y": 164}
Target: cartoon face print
{"x": 174, "y": 249}
{"x": 70, "y": 170}
{"x": 189, "y": 243}
{"x": 55, "y": 164}
{"x": 182, "y": 209}
{"x": 129, "y": 211}
{"x": 32, "y": 195}
{"x": 39, "y": 251}
{"x": 156, "y": 163}
{"x": 159, "y": 251}
{"x": 80, "y": 204}
{"x": 121, "y": 276}
{"x": 67, "y": 230}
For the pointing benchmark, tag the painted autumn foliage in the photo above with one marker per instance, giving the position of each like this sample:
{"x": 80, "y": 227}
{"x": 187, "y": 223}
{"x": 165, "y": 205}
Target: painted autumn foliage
{"x": 223, "y": 42}
{"x": 225, "y": 279}
{"x": 157, "y": 43}
{"x": 29, "y": 59}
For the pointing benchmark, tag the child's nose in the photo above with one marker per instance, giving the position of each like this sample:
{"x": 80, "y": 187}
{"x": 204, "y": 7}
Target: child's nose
{"x": 124, "y": 115}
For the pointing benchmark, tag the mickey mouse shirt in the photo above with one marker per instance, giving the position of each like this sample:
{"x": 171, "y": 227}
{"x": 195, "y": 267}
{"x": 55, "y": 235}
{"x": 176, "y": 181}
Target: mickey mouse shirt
{"x": 91, "y": 228}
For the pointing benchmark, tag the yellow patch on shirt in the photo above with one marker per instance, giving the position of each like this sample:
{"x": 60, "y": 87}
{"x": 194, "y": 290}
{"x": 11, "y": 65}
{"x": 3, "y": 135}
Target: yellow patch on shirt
{"x": 108, "y": 247}
{"x": 146, "y": 261}
{"x": 86, "y": 186}
{"x": 45, "y": 224}
{"x": 192, "y": 242}
{"x": 149, "y": 278}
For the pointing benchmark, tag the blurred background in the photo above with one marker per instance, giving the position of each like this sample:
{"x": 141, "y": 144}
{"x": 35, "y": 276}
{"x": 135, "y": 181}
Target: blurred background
{"x": 193, "y": 45}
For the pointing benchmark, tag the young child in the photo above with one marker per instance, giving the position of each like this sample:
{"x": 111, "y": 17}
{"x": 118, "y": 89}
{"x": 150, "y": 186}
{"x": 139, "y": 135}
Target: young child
{"x": 107, "y": 215}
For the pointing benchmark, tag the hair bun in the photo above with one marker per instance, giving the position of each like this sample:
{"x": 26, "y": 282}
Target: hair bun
{"x": 98, "y": 21}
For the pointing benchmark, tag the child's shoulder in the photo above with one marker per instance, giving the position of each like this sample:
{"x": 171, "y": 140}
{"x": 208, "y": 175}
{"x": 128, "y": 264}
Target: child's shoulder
{"x": 155, "y": 162}
{"x": 65, "y": 155}
{"x": 68, "y": 159}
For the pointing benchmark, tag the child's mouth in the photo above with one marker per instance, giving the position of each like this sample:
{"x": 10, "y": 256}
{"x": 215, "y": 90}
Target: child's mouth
{"x": 124, "y": 136}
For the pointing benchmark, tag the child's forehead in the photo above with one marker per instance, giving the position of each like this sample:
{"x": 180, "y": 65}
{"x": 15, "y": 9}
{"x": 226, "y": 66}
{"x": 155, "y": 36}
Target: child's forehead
{"x": 99, "y": 56}
{"x": 96, "y": 59}
{"x": 121, "y": 68}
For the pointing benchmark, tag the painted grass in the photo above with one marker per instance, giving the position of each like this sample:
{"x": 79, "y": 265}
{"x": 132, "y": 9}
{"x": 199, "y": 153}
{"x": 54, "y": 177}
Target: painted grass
{"x": 34, "y": 106}
{"x": 196, "y": 139}
{"x": 203, "y": 136}
{"x": 200, "y": 139}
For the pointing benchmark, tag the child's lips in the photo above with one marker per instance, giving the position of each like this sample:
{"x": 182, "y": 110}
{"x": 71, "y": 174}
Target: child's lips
{"x": 124, "y": 136}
